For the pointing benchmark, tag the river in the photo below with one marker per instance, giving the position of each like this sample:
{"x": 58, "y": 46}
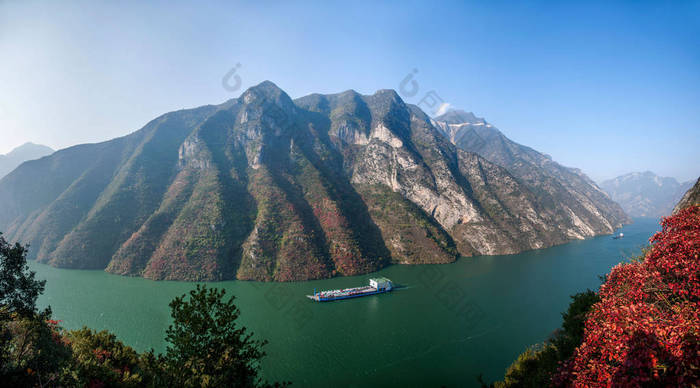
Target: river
{"x": 444, "y": 325}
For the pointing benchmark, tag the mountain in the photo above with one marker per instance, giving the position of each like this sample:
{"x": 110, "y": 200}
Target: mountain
{"x": 645, "y": 194}
{"x": 262, "y": 187}
{"x": 579, "y": 207}
{"x": 691, "y": 197}
{"x": 19, "y": 155}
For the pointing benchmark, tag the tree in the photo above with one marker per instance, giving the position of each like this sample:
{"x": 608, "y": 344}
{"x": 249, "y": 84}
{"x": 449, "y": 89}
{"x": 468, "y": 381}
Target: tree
{"x": 32, "y": 353}
{"x": 100, "y": 359}
{"x": 206, "y": 348}
{"x": 19, "y": 289}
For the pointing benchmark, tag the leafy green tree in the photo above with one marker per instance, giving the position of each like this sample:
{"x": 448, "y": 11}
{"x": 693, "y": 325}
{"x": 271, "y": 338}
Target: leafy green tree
{"x": 101, "y": 357}
{"x": 19, "y": 288}
{"x": 206, "y": 347}
{"x": 32, "y": 353}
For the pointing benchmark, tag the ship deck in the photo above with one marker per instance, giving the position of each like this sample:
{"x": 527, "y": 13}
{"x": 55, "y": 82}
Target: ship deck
{"x": 347, "y": 293}
{"x": 343, "y": 294}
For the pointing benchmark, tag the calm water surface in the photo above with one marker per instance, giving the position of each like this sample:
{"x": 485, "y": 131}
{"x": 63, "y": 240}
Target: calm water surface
{"x": 447, "y": 323}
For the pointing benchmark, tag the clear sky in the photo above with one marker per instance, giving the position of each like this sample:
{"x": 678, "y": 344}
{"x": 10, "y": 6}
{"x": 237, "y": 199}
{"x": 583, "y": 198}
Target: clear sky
{"x": 607, "y": 87}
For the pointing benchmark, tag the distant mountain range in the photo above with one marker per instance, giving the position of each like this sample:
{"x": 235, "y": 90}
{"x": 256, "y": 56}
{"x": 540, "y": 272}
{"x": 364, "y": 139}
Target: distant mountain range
{"x": 691, "y": 197}
{"x": 645, "y": 194}
{"x": 264, "y": 187}
{"x": 19, "y": 155}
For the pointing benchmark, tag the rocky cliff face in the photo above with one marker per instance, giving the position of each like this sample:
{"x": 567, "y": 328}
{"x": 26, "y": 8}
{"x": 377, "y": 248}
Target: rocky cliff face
{"x": 691, "y": 197}
{"x": 578, "y": 207}
{"x": 266, "y": 188}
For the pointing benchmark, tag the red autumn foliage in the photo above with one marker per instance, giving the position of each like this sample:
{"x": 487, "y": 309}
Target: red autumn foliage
{"x": 101, "y": 354}
{"x": 645, "y": 330}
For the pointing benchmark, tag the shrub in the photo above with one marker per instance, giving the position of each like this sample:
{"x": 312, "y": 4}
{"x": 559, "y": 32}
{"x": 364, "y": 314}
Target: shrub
{"x": 645, "y": 330}
{"x": 100, "y": 359}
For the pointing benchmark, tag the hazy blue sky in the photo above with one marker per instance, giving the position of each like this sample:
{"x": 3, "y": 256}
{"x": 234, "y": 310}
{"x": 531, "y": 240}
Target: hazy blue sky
{"x": 609, "y": 88}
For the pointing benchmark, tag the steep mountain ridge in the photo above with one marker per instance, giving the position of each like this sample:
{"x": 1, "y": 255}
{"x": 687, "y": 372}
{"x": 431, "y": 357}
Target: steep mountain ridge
{"x": 691, "y": 197}
{"x": 580, "y": 207}
{"x": 645, "y": 194}
{"x": 264, "y": 187}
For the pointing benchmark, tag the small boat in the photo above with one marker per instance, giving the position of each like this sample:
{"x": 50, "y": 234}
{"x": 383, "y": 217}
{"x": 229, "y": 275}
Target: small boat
{"x": 619, "y": 236}
{"x": 376, "y": 286}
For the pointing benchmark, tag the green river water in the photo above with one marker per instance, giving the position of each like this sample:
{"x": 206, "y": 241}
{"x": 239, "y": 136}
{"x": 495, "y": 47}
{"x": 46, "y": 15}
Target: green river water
{"x": 445, "y": 325}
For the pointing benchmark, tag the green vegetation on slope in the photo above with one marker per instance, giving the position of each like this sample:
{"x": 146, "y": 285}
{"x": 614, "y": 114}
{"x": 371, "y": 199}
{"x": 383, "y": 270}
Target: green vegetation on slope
{"x": 411, "y": 236}
{"x": 132, "y": 195}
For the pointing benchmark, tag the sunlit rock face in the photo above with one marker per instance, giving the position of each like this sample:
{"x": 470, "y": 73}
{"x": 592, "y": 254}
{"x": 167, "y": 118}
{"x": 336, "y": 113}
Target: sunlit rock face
{"x": 690, "y": 198}
{"x": 578, "y": 207}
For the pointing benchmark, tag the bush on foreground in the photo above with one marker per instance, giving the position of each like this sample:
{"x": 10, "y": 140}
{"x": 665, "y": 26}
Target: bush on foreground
{"x": 642, "y": 329}
{"x": 645, "y": 330}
